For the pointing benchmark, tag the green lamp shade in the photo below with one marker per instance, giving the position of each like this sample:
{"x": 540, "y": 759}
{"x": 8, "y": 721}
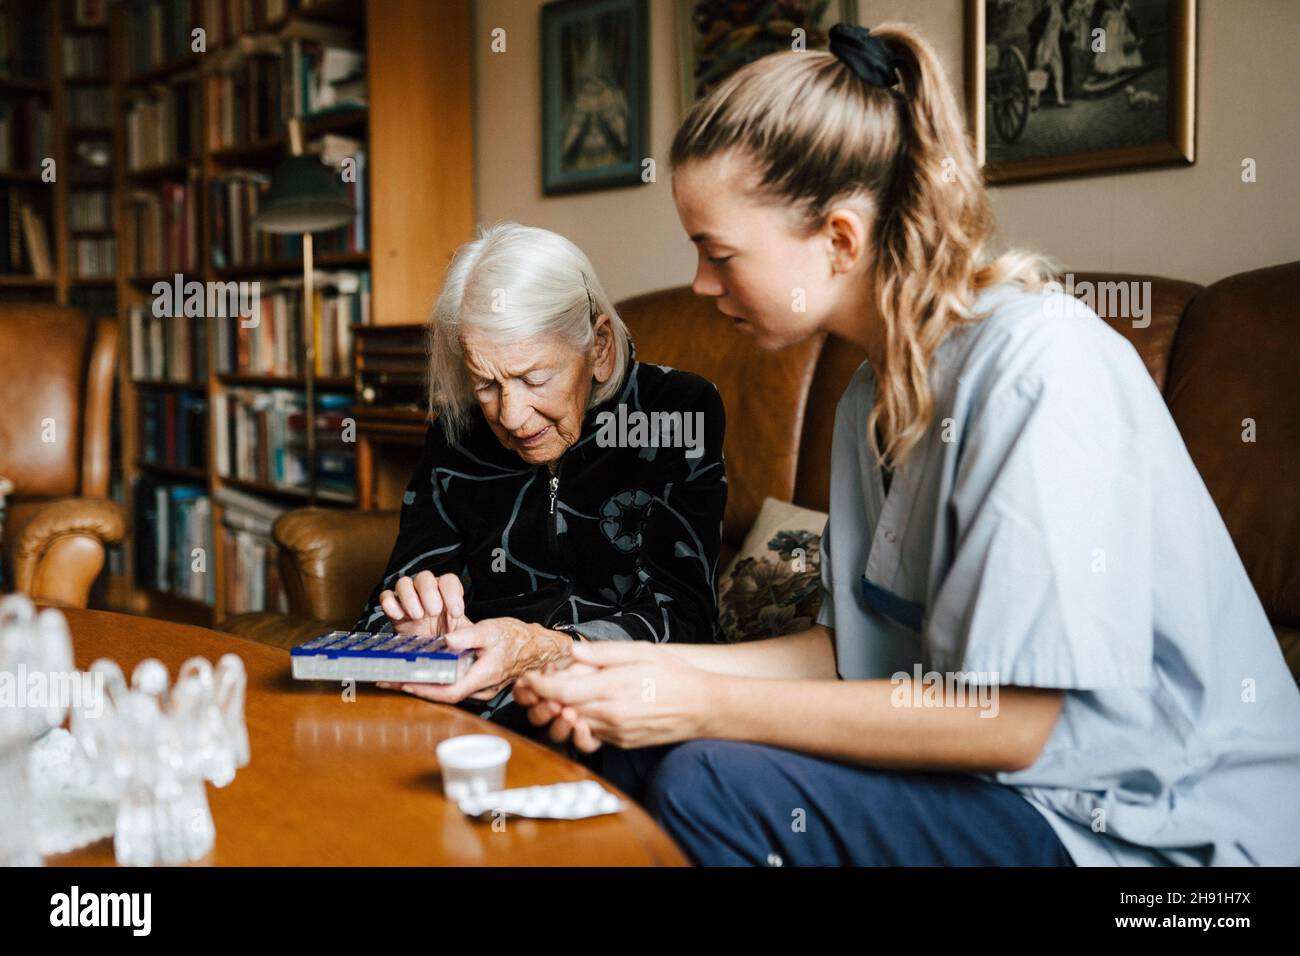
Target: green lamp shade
{"x": 305, "y": 196}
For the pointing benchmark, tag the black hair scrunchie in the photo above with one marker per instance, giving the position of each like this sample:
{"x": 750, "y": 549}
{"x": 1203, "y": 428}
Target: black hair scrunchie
{"x": 869, "y": 57}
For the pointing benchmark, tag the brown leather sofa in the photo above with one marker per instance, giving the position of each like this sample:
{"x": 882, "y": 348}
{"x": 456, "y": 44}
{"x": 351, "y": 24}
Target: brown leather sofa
{"x": 57, "y": 367}
{"x": 1219, "y": 355}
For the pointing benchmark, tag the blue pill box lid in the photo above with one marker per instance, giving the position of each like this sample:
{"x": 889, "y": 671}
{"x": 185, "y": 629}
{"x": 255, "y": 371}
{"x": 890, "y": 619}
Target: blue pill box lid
{"x": 387, "y": 645}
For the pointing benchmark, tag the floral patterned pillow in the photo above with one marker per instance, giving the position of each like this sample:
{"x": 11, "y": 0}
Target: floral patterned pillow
{"x": 773, "y": 585}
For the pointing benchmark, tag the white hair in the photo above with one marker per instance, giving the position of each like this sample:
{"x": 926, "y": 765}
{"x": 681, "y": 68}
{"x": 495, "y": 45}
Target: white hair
{"x": 513, "y": 283}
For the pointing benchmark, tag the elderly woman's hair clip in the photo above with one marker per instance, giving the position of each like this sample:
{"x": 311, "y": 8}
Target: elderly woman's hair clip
{"x": 590, "y": 308}
{"x": 871, "y": 58}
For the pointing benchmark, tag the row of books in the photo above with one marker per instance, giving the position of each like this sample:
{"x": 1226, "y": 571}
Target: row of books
{"x": 94, "y": 258}
{"x": 85, "y": 55}
{"x": 24, "y": 236}
{"x": 88, "y": 13}
{"x": 157, "y": 33}
{"x": 173, "y": 538}
{"x": 273, "y": 345}
{"x": 309, "y": 69}
{"x": 164, "y": 222}
{"x": 162, "y": 125}
{"x": 89, "y": 106}
{"x": 249, "y": 555}
{"x": 234, "y": 199}
{"x": 173, "y": 428}
{"x": 24, "y": 39}
{"x": 261, "y": 436}
{"x": 90, "y": 209}
{"x": 166, "y": 348}
{"x": 25, "y": 134}
{"x": 226, "y": 19}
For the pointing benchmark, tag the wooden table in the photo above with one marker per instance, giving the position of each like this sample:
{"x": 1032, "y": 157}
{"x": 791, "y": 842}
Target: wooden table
{"x": 338, "y": 783}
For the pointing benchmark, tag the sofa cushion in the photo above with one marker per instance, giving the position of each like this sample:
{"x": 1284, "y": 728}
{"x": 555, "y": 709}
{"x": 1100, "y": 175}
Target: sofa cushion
{"x": 773, "y": 585}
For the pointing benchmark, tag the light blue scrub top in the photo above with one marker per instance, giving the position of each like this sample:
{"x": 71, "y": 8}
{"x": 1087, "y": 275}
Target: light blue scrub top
{"x": 1051, "y": 529}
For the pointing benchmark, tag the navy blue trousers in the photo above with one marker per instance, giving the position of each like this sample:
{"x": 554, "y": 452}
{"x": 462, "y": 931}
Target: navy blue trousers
{"x": 741, "y": 804}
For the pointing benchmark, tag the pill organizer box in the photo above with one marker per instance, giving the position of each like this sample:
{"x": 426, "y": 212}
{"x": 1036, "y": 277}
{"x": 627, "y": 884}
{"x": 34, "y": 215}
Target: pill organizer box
{"x": 363, "y": 656}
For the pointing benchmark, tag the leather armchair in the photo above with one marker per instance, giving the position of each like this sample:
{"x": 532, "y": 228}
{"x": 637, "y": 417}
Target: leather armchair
{"x": 57, "y": 367}
{"x": 329, "y": 561}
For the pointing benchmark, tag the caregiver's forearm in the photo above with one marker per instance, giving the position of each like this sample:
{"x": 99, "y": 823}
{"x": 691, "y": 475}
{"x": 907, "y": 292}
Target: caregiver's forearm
{"x": 881, "y": 724}
{"x": 808, "y": 654}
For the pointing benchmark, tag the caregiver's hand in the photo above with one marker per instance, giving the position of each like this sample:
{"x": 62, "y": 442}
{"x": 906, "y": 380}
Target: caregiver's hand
{"x": 641, "y": 694}
{"x": 425, "y": 604}
{"x": 506, "y": 648}
{"x": 564, "y": 721}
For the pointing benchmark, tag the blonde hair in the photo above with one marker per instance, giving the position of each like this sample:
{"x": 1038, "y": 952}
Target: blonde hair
{"x": 819, "y": 136}
{"x": 515, "y": 282}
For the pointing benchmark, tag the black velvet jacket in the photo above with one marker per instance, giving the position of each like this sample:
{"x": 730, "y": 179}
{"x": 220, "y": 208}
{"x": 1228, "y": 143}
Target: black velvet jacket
{"x": 622, "y": 544}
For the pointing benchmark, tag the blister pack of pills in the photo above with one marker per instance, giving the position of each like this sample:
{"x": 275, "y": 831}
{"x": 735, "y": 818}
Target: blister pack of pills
{"x": 557, "y": 801}
{"x": 363, "y": 656}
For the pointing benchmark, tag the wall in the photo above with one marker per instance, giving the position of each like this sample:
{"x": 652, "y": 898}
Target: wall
{"x": 1198, "y": 222}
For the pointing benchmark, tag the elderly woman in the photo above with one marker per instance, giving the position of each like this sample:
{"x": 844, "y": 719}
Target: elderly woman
{"x": 537, "y": 516}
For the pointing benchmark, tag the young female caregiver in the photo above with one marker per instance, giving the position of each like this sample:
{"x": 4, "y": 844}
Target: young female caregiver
{"x": 1097, "y": 681}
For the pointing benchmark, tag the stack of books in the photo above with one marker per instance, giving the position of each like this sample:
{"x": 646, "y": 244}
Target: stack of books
{"x": 261, "y": 437}
{"x": 173, "y": 539}
{"x": 272, "y": 345}
{"x": 173, "y": 428}
{"x": 162, "y": 125}
{"x": 157, "y": 34}
{"x": 25, "y": 135}
{"x": 249, "y": 555}
{"x": 164, "y": 222}
{"x": 166, "y": 348}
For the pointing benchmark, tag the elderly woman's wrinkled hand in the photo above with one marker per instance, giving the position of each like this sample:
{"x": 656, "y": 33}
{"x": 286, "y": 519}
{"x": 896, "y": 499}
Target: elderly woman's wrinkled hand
{"x": 506, "y": 649}
{"x": 426, "y": 604}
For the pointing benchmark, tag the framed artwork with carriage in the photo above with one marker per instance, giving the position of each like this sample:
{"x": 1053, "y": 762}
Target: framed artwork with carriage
{"x": 1070, "y": 87}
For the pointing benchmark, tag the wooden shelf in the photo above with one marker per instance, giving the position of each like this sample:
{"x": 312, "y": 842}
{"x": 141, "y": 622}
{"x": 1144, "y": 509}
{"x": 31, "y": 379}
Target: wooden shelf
{"x": 161, "y": 73}
{"x": 19, "y": 176}
{"x": 26, "y": 282}
{"x": 164, "y": 385}
{"x": 296, "y": 495}
{"x": 179, "y": 472}
{"x": 15, "y": 84}
{"x": 177, "y": 168}
{"x": 327, "y": 260}
{"x": 324, "y": 383}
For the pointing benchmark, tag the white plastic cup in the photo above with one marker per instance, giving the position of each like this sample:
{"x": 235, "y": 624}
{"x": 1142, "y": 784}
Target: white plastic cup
{"x": 473, "y": 764}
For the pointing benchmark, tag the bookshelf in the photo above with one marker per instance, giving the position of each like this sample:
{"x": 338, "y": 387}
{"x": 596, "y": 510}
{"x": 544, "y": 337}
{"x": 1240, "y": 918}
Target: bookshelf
{"x": 212, "y": 414}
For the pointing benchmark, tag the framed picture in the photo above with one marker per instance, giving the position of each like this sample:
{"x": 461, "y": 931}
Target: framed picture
{"x": 1067, "y": 87}
{"x": 717, "y": 37}
{"x": 594, "y": 94}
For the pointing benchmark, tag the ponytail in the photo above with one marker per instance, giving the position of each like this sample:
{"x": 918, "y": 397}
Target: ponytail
{"x": 821, "y": 136}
